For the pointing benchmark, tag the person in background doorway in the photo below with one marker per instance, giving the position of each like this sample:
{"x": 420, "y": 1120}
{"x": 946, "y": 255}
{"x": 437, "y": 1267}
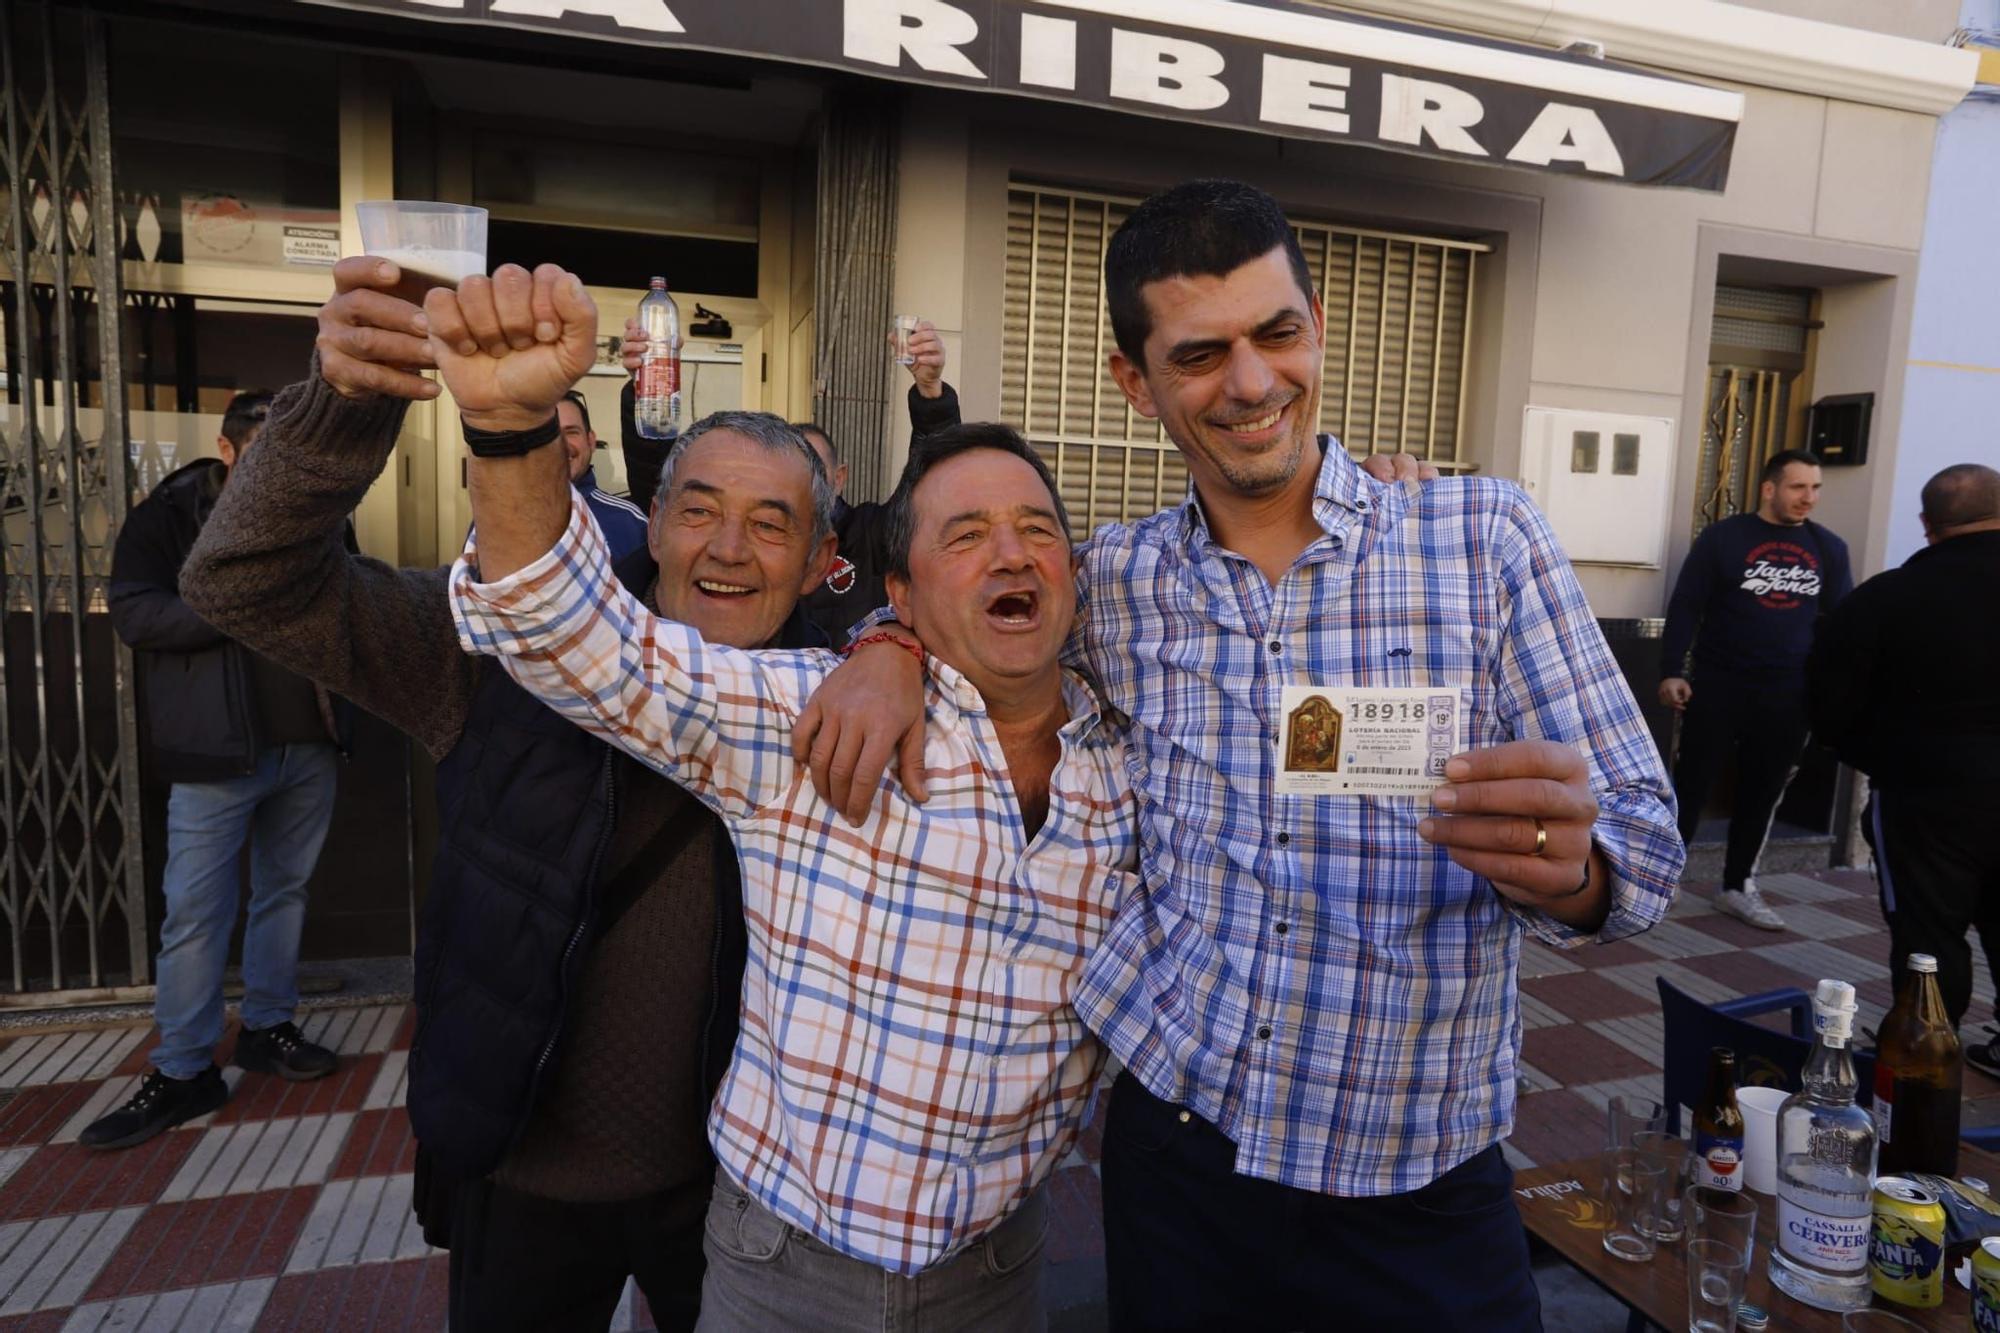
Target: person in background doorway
{"x": 1904, "y": 683}
{"x": 1747, "y": 600}
{"x": 250, "y": 749}
{"x": 853, "y": 587}
{"x": 623, "y": 522}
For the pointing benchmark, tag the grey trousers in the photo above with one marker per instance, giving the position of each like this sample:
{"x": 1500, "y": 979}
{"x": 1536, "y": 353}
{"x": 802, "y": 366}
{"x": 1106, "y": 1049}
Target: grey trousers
{"x": 766, "y": 1275}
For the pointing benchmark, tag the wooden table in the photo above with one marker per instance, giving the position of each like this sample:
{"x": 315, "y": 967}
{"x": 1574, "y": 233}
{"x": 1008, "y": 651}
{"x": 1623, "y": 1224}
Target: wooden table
{"x": 1562, "y": 1205}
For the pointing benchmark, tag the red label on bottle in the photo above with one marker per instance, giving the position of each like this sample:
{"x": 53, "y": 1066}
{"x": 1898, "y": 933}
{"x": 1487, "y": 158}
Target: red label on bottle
{"x": 658, "y": 377}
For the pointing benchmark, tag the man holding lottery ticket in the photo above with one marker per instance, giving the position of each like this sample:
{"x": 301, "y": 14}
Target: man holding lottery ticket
{"x": 1378, "y": 740}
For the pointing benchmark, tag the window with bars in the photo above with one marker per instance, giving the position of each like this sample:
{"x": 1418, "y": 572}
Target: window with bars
{"x": 1398, "y": 327}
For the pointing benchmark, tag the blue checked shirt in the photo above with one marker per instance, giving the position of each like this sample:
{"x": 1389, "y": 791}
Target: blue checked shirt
{"x": 1306, "y": 972}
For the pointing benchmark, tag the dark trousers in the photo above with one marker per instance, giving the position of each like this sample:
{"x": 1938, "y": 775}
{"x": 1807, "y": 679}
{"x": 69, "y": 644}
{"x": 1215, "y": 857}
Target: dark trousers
{"x": 523, "y": 1264}
{"x": 1189, "y": 1244}
{"x": 1763, "y": 725}
{"x": 1937, "y": 865}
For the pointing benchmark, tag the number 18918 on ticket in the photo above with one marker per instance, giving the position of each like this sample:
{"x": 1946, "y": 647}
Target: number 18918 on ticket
{"x": 1365, "y": 742}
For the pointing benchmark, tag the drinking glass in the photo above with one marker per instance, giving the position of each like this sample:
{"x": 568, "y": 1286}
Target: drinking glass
{"x": 1876, "y": 1321}
{"x": 1662, "y": 1219}
{"x": 1716, "y": 1273}
{"x": 905, "y": 325}
{"x": 1624, "y": 1208}
{"x": 1625, "y": 1116}
{"x": 436, "y": 245}
{"x": 1724, "y": 1215}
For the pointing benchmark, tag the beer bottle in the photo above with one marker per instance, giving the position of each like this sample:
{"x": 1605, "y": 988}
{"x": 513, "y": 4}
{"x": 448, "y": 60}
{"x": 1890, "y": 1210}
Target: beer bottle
{"x": 1718, "y": 1126}
{"x": 1918, "y": 1072}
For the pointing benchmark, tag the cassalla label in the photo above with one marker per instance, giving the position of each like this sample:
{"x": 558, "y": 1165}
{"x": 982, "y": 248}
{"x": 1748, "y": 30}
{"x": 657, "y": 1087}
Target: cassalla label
{"x": 1836, "y": 1244}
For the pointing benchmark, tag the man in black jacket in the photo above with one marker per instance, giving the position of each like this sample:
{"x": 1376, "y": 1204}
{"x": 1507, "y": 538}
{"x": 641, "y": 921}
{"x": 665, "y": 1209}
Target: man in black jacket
{"x": 1747, "y": 599}
{"x": 1904, "y": 683}
{"x": 248, "y": 747}
{"x": 580, "y": 944}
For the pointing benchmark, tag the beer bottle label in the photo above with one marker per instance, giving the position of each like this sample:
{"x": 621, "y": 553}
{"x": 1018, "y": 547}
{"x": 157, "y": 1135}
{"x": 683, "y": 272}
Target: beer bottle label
{"x": 1885, "y": 1101}
{"x": 1718, "y": 1162}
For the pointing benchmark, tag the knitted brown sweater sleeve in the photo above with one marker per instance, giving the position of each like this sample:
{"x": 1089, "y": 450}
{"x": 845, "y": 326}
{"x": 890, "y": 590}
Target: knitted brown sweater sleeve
{"x": 272, "y": 569}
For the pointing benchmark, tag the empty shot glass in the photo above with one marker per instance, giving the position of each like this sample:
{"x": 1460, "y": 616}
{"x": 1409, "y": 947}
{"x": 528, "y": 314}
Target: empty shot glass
{"x": 1716, "y": 1272}
{"x": 900, "y": 331}
{"x": 1624, "y": 1207}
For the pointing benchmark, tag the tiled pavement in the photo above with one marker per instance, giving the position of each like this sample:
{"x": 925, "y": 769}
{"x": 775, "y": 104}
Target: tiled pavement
{"x": 289, "y": 1208}
{"x": 1591, "y": 1017}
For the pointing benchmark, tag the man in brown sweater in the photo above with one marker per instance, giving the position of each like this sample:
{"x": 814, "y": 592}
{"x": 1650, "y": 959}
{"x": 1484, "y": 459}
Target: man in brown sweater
{"x": 579, "y": 952}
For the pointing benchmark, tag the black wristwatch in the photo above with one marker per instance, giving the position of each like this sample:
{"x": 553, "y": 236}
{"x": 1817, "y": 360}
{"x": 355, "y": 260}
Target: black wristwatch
{"x": 510, "y": 443}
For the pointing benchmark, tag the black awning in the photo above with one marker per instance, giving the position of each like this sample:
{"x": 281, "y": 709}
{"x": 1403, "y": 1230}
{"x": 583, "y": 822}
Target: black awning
{"x": 1284, "y": 68}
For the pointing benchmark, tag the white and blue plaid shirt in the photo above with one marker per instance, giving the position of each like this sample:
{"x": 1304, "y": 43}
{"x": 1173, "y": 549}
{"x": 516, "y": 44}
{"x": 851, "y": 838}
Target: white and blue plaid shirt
{"x": 1306, "y": 972}
{"x": 910, "y": 1066}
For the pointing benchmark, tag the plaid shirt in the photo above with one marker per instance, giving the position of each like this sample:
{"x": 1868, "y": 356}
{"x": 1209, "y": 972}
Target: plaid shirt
{"x": 911, "y": 1065}
{"x": 1306, "y": 972}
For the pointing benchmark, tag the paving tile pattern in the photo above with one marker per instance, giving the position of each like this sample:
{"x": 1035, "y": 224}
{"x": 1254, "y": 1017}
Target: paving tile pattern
{"x": 289, "y": 1209}
{"x": 1609, "y": 1001}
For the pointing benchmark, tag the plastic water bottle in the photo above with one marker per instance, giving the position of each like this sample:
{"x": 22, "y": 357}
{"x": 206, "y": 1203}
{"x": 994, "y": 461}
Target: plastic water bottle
{"x": 657, "y": 392}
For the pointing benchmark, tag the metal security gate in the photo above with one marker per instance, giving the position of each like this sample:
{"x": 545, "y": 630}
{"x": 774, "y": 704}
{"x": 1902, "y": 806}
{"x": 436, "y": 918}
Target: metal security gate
{"x": 1760, "y": 358}
{"x": 1398, "y": 343}
{"x": 71, "y": 884}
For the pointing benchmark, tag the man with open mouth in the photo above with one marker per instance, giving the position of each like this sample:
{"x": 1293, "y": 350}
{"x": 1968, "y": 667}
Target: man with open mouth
{"x": 910, "y": 1068}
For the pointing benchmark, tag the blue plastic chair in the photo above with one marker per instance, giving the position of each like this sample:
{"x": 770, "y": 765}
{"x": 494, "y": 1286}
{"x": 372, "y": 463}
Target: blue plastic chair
{"x": 1764, "y": 1057}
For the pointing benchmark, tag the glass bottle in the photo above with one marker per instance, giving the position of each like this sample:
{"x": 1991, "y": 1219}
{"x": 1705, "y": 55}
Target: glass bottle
{"x": 1826, "y": 1169}
{"x": 1718, "y": 1126}
{"x": 1919, "y": 1071}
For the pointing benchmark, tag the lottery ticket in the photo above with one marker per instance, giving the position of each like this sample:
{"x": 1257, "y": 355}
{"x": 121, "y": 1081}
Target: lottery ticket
{"x": 1334, "y": 741}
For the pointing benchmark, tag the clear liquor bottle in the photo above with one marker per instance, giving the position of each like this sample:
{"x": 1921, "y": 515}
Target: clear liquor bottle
{"x": 1826, "y": 1169}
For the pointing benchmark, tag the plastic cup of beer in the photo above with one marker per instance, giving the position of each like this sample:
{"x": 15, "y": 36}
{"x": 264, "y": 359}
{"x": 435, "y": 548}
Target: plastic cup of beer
{"x": 1625, "y": 1207}
{"x": 436, "y": 245}
{"x": 1716, "y": 1272}
{"x": 904, "y": 326}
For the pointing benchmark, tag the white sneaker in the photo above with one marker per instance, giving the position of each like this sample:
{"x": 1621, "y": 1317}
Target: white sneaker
{"x": 1747, "y": 904}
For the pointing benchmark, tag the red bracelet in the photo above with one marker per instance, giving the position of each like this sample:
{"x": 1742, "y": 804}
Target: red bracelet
{"x": 913, "y": 649}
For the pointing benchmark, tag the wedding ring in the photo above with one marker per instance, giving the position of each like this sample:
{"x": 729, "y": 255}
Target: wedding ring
{"x": 1541, "y": 838}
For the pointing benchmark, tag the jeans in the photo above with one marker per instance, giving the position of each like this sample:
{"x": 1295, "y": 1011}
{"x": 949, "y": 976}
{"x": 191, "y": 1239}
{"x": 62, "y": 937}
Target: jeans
{"x": 283, "y": 808}
{"x": 1191, "y": 1245}
{"x": 765, "y": 1276}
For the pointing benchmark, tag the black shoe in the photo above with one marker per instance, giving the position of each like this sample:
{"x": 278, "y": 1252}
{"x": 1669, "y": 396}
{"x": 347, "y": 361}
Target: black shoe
{"x": 158, "y": 1105}
{"x": 1984, "y": 1056}
{"x": 283, "y": 1050}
